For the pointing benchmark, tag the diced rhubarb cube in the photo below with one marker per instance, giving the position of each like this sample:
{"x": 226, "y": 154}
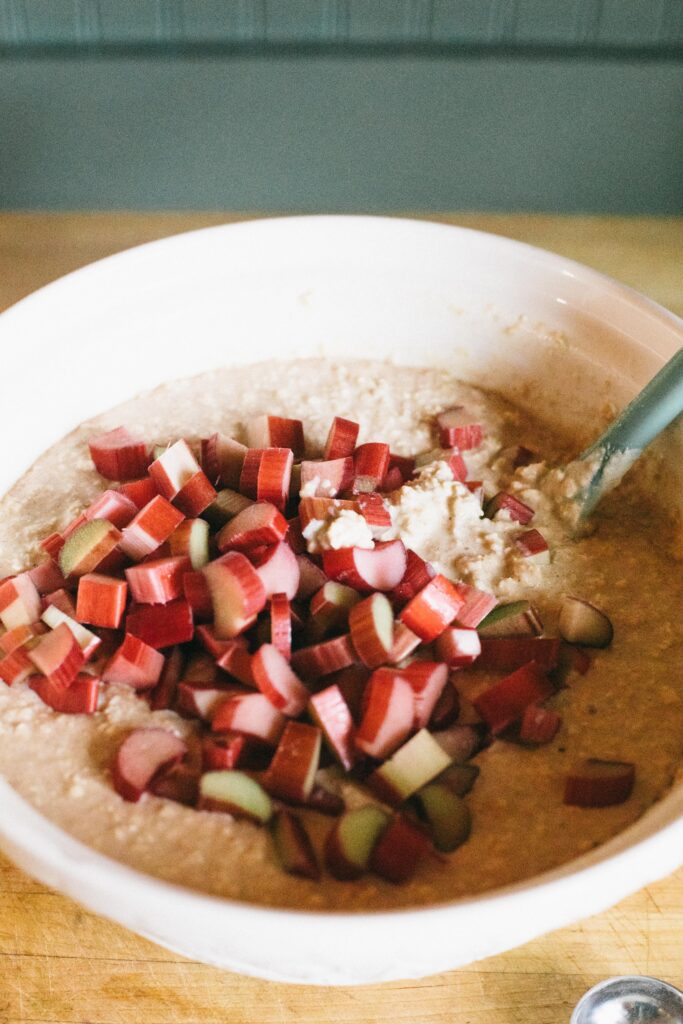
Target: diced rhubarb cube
{"x": 47, "y": 576}
{"x": 191, "y": 539}
{"x": 375, "y": 513}
{"x": 322, "y": 659}
{"x": 326, "y": 479}
{"x": 539, "y": 725}
{"x": 352, "y": 682}
{"x": 140, "y": 491}
{"x": 311, "y": 577}
{"x": 417, "y": 575}
{"x": 278, "y": 682}
{"x": 293, "y": 846}
{"x": 278, "y": 569}
{"x": 195, "y": 496}
{"x": 458, "y": 647}
{"x": 512, "y": 506}
{"x": 405, "y": 642}
{"x": 533, "y": 545}
{"x": 161, "y": 625}
{"x": 235, "y": 659}
{"x": 381, "y": 568}
{"x": 511, "y": 652}
{"x": 410, "y": 768}
{"x": 225, "y": 751}
{"x": 119, "y": 455}
{"x": 341, "y": 439}
{"x": 222, "y": 460}
{"x": 101, "y": 600}
{"x": 371, "y": 623}
{"x": 399, "y": 850}
{"x": 159, "y": 581}
{"x": 504, "y": 703}
{"x": 198, "y": 596}
{"x": 58, "y": 656}
{"x": 457, "y": 466}
{"x": 351, "y": 840}
{"x": 237, "y": 593}
{"x": 388, "y": 716}
{"x": 81, "y": 697}
{"x": 201, "y": 699}
{"x": 427, "y": 680}
{"x": 114, "y": 506}
{"x": 329, "y": 609}
{"x": 62, "y": 600}
{"x": 53, "y": 544}
{"x": 89, "y": 642}
{"x": 235, "y": 793}
{"x": 405, "y": 464}
{"x": 457, "y": 429}
{"x": 16, "y": 667}
{"x": 173, "y": 469}
{"x": 392, "y": 481}
{"x": 153, "y": 525}
{"x": 266, "y": 475}
{"x": 370, "y": 464}
{"x": 20, "y": 603}
{"x": 295, "y": 537}
{"x": 432, "y": 609}
{"x": 331, "y": 713}
{"x": 258, "y": 525}
{"x": 476, "y": 606}
{"x": 251, "y": 714}
{"x": 518, "y": 618}
{"x": 135, "y": 663}
{"x": 281, "y": 624}
{"x": 19, "y": 636}
{"x": 598, "y": 783}
{"x": 141, "y": 757}
{"x": 291, "y": 773}
{"x": 276, "y": 432}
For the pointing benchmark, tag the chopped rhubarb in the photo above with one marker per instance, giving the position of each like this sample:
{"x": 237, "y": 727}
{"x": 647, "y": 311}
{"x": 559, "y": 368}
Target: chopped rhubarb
{"x": 295, "y": 537}
{"x": 291, "y": 773}
{"x": 371, "y": 623}
{"x": 457, "y": 466}
{"x": 598, "y": 783}
{"x": 375, "y": 513}
{"x": 293, "y": 846}
{"x": 16, "y": 667}
{"x": 352, "y": 839}
{"x": 457, "y": 429}
{"x": 235, "y": 659}
{"x": 237, "y": 794}
{"x": 311, "y": 577}
{"x": 180, "y": 783}
{"x": 370, "y": 465}
{"x": 515, "y": 619}
{"x": 119, "y": 455}
{"x": 276, "y": 680}
{"x": 278, "y": 570}
{"x": 392, "y": 481}
{"x": 533, "y": 545}
{"x": 381, "y": 568}
{"x": 140, "y": 492}
{"x": 447, "y": 815}
{"x": 477, "y": 605}
{"x": 432, "y": 609}
{"x": 222, "y": 460}
{"x": 324, "y": 658}
{"x": 458, "y": 647}
{"x": 197, "y": 594}
{"x": 276, "y": 432}
{"x": 19, "y": 636}
{"x": 417, "y": 575}
{"x": 405, "y": 464}
{"x": 446, "y": 709}
{"x": 159, "y": 581}
{"x": 223, "y": 751}
{"x": 47, "y": 576}
{"x": 115, "y": 507}
{"x": 328, "y": 478}
{"x": 504, "y": 703}
{"x": 161, "y": 625}
{"x": 583, "y": 623}
{"x": 331, "y": 713}
{"x": 135, "y": 663}
{"x": 53, "y": 544}
{"x": 511, "y": 652}
{"x": 88, "y": 641}
{"x": 317, "y": 509}
{"x": 405, "y": 642}
{"x": 352, "y": 682}
{"x": 224, "y": 507}
{"x": 153, "y": 525}
{"x": 410, "y": 768}
{"x": 330, "y": 607}
{"x": 341, "y": 439}
{"x": 80, "y": 698}
{"x": 281, "y": 624}
{"x": 202, "y": 699}
{"x": 539, "y": 725}
{"x": 20, "y": 603}
{"x": 101, "y": 600}
{"x": 237, "y": 593}
{"x": 511, "y": 506}
{"x": 58, "y": 656}
{"x": 266, "y": 475}
{"x": 173, "y": 469}
{"x": 88, "y": 547}
{"x": 261, "y": 523}
{"x": 141, "y": 756}
{"x": 191, "y": 539}
{"x": 164, "y": 693}
{"x": 62, "y": 600}
{"x": 400, "y": 848}
{"x": 427, "y": 680}
{"x": 388, "y": 716}
{"x": 252, "y": 714}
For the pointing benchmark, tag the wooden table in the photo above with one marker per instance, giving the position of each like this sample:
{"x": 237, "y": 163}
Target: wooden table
{"x": 59, "y": 963}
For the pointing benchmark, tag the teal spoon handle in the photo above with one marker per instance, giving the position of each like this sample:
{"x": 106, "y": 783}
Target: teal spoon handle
{"x": 657, "y": 405}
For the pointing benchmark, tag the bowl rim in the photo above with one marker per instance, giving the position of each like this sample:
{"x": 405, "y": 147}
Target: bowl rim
{"x": 22, "y": 825}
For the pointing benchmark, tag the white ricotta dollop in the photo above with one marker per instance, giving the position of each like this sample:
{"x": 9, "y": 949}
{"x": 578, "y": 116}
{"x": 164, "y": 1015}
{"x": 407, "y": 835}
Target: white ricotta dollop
{"x": 343, "y": 528}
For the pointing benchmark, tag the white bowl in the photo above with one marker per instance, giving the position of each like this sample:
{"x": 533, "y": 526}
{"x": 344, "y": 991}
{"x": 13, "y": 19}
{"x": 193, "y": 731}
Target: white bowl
{"x": 497, "y": 312}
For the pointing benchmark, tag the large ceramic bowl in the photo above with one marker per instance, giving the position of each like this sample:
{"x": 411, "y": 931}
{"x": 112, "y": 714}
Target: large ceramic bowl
{"x": 548, "y": 332}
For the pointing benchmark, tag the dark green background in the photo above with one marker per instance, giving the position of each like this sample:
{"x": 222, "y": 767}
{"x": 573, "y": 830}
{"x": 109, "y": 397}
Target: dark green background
{"x": 342, "y": 104}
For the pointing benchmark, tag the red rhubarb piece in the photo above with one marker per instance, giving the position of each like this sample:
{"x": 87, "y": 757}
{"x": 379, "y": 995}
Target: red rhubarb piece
{"x": 598, "y": 783}
{"x": 311, "y": 577}
{"x": 324, "y": 658}
{"x": 101, "y": 600}
{"x": 329, "y": 609}
{"x": 341, "y": 439}
{"x": 388, "y": 716}
{"x": 392, "y": 481}
{"x": 291, "y": 773}
{"x": 446, "y": 709}
{"x": 196, "y": 495}
{"x": 222, "y": 460}
{"x": 504, "y": 703}
{"x": 88, "y": 547}
{"x": 276, "y": 432}
{"x": 180, "y": 783}
{"x": 458, "y": 647}
{"x": 16, "y": 667}
{"x": 258, "y": 525}
{"x": 236, "y": 661}
{"x": 399, "y": 850}
{"x": 293, "y": 846}
{"x": 457, "y": 466}
{"x": 405, "y": 464}
{"x": 142, "y": 756}
{"x": 174, "y": 468}
{"x": 371, "y": 623}
{"x": 328, "y": 478}
{"x": 119, "y": 455}
{"x": 278, "y": 569}
{"x": 53, "y": 545}
{"x": 251, "y": 714}
{"x": 433, "y": 609}
{"x": 19, "y": 636}
{"x": 80, "y": 698}
{"x": 161, "y": 625}
{"x": 281, "y": 624}
{"x": 153, "y": 525}
{"x": 191, "y": 540}
{"x": 417, "y": 575}
{"x": 381, "y": 568}
{"x": 87, "y": 640}
{"x": 513, "y": 507}
{"x": 427, "y": 680}
{"x": 47, "y": 576}
{"x": 352, "y": 682}
{"x": 58, "y": 656}
{"x": 276, "y": 680}
{"x": 532, "y": 544}
{"x": 405, "y": 642}
{"x": 135, "y": 663}
{"x": 140, "y": 492}
{"x": 197, "y": 594}
{"x": 375, "y": 513}
{"x": 539, "y": 725}
{"x": 511, "y": 652}
{"x": 457, "y": 429}
{"x": 318, "y": 509}
{"x": 62, "y": 600}
{"x": 370, "y": 465}
{"x": 202, "y": 699}
{"x": 159, "y": 581}
{"x": 237, "y": 593}
{"x": 331, "y": 713}
{"x": 476, "y": 606}
{"x": 266, "y": 475}
{"x": 113, "y": 506}
{"x": 164, "y": 693}
{"x": 234, "y": 750}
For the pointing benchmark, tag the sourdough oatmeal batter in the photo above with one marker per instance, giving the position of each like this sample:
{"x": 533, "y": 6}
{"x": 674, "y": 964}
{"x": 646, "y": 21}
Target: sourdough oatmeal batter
{"x": 628, "y": 707}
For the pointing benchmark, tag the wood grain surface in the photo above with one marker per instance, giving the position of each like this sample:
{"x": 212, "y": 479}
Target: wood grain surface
{"x": 59, "y": 963}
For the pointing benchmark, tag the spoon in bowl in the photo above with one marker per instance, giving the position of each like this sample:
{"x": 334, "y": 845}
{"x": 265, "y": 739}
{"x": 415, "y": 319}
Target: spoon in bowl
{"x": 615, "y": 451}
{"x": 630, "y": 999}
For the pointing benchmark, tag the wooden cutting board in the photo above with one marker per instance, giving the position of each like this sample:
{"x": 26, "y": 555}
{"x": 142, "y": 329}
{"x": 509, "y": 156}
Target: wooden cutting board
{"x": 59, "y": 963}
